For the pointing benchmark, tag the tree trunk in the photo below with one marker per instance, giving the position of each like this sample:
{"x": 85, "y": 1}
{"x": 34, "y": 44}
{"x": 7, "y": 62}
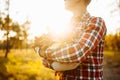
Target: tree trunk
{"x": 7, "y": 45}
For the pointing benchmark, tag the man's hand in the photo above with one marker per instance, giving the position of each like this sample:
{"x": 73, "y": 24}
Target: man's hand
{"x": 42, "y": 42}
{"x": 47, "y": 63}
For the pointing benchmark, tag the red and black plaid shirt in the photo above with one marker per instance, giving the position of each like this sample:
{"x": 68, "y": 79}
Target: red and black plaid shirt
{"x": 89, "y": 43}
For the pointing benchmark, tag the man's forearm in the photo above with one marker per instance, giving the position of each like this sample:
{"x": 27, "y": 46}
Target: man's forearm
{"x": 64, "y": 66}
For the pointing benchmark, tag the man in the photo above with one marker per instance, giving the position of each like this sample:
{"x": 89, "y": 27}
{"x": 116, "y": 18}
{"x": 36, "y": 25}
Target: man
{"x": 88, "y": 45}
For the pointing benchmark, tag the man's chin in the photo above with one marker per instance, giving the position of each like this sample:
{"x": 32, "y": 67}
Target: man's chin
{"x": 69, "y": 8}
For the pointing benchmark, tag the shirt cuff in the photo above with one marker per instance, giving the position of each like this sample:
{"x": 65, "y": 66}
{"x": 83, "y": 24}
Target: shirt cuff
{"x": 48, "y": 53}
{"x": 37, "y": 50}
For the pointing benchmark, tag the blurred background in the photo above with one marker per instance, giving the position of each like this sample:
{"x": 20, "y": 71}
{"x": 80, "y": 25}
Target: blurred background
{"x": 21, "y": 21}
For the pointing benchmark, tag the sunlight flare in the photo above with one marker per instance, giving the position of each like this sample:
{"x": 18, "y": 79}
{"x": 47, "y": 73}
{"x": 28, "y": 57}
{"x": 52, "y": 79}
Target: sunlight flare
{"x": 59, "y": 27}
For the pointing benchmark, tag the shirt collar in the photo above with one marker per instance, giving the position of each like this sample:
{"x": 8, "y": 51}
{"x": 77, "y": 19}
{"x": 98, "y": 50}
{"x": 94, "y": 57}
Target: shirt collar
{"x": 85, "y": 16}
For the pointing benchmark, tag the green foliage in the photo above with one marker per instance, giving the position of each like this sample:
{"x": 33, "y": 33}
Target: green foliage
{"x": 112, "y": 41}
{"x": 24, "y": 65}
{"x": 19, "y": 40}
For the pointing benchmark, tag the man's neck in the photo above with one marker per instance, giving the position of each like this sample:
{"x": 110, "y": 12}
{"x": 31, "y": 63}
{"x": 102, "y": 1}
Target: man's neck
{"x": 78, "y": 14}
{"x": 79, "y": 11}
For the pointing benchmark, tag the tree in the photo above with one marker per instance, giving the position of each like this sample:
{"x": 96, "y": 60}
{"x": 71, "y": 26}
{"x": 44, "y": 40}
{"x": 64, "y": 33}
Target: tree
{"x": 118, "y": 38}
{"x": 5, "y": 23}
{"x": 7, "y": 28}
{"x": 25, "y": 28}
{"x": 19, "y": 40}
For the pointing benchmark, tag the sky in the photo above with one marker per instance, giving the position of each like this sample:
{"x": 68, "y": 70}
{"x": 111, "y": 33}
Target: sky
{"x": 43, "y": 13}
{"x": 103, "y": 9}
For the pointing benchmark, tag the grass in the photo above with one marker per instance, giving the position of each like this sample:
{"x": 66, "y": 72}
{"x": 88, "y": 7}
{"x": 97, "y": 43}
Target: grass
{"x": 112, "y": 58}
{"x": 112, "y": 65}
{"x": 24, "y": 65}
{"x": 109, "y": 53}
